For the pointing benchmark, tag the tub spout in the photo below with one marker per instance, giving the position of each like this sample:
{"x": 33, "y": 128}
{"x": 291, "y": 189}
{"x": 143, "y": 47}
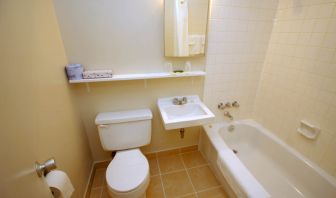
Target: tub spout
{"x": 228, "y": 114}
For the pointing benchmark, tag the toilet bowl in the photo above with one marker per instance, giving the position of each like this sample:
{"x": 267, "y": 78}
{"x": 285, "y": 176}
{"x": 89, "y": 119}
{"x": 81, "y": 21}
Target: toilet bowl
{"x": 127, "y": 175}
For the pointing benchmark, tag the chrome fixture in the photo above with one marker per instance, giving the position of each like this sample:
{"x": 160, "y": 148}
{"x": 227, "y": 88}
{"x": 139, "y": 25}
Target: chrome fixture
{"x": 235, "y": 104}
{"x": 46, "y": 167}
{"x": 180, "y": 101}
{"x": 222, "y": 106}
{"x": 228, "y": 114}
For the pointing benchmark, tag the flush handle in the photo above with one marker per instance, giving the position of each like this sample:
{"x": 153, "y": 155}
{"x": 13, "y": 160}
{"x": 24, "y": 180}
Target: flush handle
{"x": 103, "y": 126}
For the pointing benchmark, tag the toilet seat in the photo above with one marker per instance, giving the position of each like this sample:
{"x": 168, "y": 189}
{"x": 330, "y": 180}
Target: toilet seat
{"x": 127, "y": 171}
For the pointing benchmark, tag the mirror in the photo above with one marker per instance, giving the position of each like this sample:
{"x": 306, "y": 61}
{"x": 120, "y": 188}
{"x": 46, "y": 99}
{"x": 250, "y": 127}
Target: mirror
{"x": 185, "y": 27}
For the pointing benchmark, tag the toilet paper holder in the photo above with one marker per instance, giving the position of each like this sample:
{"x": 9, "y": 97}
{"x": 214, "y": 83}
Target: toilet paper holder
{"x": 46, "y": 167}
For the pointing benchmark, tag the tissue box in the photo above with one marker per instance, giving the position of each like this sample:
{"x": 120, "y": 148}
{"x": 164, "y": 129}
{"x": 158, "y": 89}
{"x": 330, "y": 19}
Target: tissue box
{"x": 97, "y": 74}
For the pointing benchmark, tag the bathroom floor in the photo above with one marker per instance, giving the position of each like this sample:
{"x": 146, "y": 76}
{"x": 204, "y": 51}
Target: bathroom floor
{"x": 176, "y": 173}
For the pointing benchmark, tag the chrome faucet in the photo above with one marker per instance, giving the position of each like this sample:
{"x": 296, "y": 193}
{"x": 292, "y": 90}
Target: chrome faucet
{"x": 228, "y": 114}
{"x": 180, "y": 101}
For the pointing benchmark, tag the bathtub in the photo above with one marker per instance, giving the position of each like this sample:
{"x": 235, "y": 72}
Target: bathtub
{"x": 255, "y": 163}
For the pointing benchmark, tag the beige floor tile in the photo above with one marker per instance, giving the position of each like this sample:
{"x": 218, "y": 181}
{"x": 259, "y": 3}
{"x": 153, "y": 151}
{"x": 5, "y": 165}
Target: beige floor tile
{"x": 154, "y": 189}
{"x": 105, "y": 194}
{"x": 193, "y": 159}
{"x": 153, "y": 166}
{"x": 189, "y": 149}
{"x": 150, "y": 155}
{"x": 96, "y": 192}
{"x": 176, "y": 184}
{"x": 99, "y": 178}
{"x": 202, "y": 178}
{"x": 170, "y": 163}
{"x": 213, "y": 193}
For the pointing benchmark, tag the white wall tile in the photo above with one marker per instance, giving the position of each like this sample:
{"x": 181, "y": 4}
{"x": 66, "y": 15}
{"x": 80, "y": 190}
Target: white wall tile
{"x": 299, "y": 76}
{"x": 238, "y": 39}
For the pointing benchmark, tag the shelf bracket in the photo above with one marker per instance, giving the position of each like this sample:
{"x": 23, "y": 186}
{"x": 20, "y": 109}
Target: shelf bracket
{"x": 88, "y": 87}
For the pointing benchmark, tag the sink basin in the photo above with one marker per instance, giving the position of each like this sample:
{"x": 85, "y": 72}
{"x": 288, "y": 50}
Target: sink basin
{"x": 193, "y": 113}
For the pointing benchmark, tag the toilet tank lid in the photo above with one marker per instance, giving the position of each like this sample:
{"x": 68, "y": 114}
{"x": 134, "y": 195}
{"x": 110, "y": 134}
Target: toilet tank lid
{"x": 123, "y": 116}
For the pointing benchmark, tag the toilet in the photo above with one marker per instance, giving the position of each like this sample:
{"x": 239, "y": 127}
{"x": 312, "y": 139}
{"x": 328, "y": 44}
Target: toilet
{"x": 127, "y": 175}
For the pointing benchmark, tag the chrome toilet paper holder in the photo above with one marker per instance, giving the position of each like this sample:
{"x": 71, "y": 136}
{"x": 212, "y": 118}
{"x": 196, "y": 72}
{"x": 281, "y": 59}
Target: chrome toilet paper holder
{"x": 46, "y": 167}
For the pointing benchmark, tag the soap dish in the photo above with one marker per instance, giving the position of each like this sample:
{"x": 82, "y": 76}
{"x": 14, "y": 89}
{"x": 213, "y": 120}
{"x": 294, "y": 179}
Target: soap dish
{"x": 308, "y": 130}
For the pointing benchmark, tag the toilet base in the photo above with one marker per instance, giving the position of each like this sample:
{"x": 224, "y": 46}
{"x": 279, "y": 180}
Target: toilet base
{"x": 139, "y": 192}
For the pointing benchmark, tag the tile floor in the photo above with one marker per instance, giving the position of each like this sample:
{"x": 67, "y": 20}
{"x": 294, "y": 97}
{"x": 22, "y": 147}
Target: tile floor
{"x": 176, "y": 173}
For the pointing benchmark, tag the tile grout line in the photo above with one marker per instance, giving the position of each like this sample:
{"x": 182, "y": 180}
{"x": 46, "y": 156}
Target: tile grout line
{"x": 101, "y": 192}
{"x": 194, "y": 193}
{"x": 211, "y": 188}
{"x": 157, "y": 161}
{"x": 175, "y": 171}
{"x": 185, "y": 167}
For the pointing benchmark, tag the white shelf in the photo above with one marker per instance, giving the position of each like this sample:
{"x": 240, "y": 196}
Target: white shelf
{"x": 145, "y": 76}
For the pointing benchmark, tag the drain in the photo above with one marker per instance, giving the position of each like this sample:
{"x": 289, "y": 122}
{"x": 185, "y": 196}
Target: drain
{"x": 231, "y": 128}
{"x": 234, "y": 151}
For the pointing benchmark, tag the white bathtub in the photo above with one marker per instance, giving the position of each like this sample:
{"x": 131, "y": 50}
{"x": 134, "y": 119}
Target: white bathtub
{"x": 264, "y": 166}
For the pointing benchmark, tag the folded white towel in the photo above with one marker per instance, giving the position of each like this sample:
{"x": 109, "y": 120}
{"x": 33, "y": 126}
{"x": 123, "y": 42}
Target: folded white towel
{"x": 196, "y": 44}
{"x": 196, "y": 39}
{"x": 97, "y": 74}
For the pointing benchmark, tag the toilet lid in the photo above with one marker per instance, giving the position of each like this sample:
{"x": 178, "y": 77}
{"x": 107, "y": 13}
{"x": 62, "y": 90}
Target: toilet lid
{"x": 127, "y": 170}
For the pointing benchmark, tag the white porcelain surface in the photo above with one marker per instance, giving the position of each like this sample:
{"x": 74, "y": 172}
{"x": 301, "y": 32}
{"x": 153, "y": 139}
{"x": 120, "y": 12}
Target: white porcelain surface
{"x": 127, "y": 175}
{"x": 193, "y": 113}
{"x": 281, "y": 171}
{"x": 124, "y": 130}
{"x": 127, "y": 171}
{"x": 123, "y": 116}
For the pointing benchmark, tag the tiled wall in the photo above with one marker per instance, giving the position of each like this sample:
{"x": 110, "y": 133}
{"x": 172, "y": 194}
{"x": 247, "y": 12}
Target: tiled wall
{"x": 239, "y": 32}
{"x": 299, "y": 78}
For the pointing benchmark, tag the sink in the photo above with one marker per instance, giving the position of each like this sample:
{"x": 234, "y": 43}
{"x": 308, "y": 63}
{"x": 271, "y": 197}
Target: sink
{"x": 193, "y": 113}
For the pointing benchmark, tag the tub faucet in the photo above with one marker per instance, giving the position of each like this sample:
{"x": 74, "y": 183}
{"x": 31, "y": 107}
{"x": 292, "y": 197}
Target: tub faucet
{"x": 228, "y": 114}
{"x": 180, "y": 101}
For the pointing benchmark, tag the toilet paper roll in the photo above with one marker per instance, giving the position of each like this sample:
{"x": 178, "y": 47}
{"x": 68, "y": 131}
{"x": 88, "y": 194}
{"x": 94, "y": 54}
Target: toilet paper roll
{"x": 59, "y": 184}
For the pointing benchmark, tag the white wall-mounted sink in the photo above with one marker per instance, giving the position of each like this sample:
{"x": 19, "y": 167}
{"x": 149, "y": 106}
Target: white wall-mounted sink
{"x": 193, "y": 113}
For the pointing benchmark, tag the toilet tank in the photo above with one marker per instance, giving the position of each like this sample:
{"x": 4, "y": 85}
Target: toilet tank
{"x": 124, "y": 129}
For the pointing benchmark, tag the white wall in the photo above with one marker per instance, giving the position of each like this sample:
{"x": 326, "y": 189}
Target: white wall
{"x": 126, "y": 36}
{"x": 299, "y": 78}
{"x": 239, "y": 32}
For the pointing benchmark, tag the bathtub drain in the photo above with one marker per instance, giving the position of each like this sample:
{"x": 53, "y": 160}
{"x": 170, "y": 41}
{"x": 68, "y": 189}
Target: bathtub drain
{"x": 231, "y": 128}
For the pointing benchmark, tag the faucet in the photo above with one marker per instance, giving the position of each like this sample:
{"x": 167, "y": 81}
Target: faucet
{"x": 180, "y": 101}
{"x": 228, "y": 114}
